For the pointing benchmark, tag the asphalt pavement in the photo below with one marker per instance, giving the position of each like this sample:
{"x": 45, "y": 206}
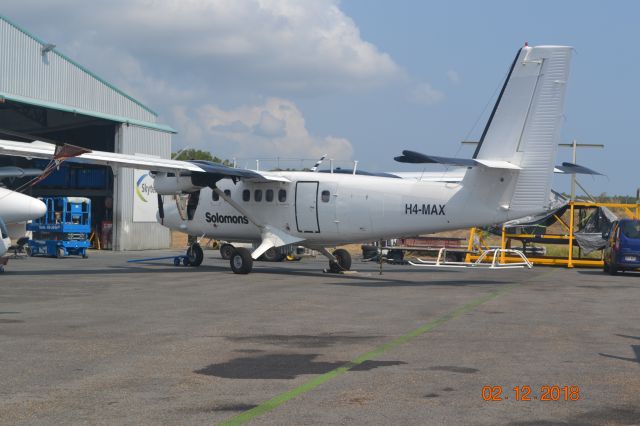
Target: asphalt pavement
{"x": 103, "y": 341}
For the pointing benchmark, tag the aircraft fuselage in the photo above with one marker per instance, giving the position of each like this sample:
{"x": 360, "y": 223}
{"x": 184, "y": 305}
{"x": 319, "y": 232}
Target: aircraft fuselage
{"x": 329, "y": 209}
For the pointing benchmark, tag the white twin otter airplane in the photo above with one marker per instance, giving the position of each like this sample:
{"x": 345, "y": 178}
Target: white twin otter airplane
{"x": 508, "y": 177}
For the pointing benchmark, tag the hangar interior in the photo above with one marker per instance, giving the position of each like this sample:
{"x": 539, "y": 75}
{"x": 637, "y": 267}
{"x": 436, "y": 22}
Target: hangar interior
{"x": 93, "y": 182}
{"x": 45, "y": 95}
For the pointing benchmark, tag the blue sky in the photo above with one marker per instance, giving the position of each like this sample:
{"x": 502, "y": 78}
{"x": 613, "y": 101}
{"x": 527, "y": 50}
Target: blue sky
{"x": 358, "y": 79}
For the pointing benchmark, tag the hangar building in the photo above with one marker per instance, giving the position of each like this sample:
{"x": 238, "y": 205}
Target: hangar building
{"x": 46, "y": 95}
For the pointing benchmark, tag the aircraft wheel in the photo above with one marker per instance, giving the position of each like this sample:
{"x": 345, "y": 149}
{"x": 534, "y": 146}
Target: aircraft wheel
{"x": 273, "y": 255}
{"x": 226, "y": 251}
{"x": 613, "y": 268}
{"x": 343, "y": 259}
{"x": 195, "y": 254}
{"x": 241, "y": 261}
{"x": 59, "y": 252}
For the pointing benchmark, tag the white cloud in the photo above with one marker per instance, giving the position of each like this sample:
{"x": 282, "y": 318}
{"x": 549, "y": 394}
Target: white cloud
{"x": 275, "y": 128}
{"x": 425, "y": 94}
{"x": 307, "y": 47}
{"x": 453, "y": 77}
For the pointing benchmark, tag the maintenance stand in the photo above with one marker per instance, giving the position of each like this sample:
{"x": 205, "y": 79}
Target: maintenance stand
{"x": 63, "y": 230}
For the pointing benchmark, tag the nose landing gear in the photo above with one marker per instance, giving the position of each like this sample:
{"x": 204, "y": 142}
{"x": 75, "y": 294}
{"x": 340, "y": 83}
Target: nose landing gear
{"x": 194, "y": 255}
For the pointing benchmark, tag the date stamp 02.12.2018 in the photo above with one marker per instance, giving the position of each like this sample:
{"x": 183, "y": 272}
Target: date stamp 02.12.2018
{"x": 529, "y": 393}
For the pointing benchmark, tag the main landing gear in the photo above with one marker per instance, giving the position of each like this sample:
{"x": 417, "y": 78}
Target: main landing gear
{"x": 241, "y": 261}
{"x": 339, "y": 260}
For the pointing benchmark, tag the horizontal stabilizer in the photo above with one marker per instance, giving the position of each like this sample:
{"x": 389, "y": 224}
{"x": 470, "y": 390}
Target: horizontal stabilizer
{"x": 571, "y": 168}
{"x": 498, "y": 164}
{"x": 418, "y": 158}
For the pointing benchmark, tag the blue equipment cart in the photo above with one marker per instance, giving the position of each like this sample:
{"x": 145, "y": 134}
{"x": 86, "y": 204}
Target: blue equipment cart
{"x": 64, "y": 230}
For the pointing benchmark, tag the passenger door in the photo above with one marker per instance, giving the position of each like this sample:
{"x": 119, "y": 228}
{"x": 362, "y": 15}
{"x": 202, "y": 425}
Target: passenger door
{"x": 307, "y": 207}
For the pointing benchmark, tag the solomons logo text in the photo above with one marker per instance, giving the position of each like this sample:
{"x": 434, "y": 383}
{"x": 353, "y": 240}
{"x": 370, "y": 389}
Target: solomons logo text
{"x": 218, "y": 218}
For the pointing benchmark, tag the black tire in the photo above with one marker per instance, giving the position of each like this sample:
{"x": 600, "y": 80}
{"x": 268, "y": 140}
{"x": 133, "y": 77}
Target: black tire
{"x": 226, "y": 251}
{"x": 241, "y": 261}
{"x": 369, "y": 251}
{"x": 395, "y": 255}
{"x": 343, "y": 259}
{"x": 613, "y": 267}
{"x": 195, "y": 254}
{"x": 59, "y": 252}
{"x": 29, "y": 252}
{"x": 272, "y": 255}
{"x": 84, "y": 254}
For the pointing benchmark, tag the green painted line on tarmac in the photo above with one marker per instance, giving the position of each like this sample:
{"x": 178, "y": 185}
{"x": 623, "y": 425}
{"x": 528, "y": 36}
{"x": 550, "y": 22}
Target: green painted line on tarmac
{"x": 280, "y": 399}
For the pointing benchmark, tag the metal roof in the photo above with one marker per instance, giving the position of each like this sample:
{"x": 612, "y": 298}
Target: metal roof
{"x": 65, "y": 58}
{"x": 74, "y": 110}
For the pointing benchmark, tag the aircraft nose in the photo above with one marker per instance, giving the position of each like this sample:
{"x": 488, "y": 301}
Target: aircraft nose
{"x": 37, "y": 208}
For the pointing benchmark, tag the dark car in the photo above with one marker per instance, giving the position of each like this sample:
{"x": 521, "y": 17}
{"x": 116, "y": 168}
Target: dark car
{"x": 623, "y": 246}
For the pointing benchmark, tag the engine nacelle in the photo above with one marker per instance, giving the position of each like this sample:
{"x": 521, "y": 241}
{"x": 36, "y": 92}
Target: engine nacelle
{"x": 169, "y": 184}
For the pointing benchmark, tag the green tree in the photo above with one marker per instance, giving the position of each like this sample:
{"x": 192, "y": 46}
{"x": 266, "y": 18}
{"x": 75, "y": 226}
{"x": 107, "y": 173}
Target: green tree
{"x": 198, "y": 154}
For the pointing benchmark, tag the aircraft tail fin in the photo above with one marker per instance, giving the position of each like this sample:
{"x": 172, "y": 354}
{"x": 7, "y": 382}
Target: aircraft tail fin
{"x": 524, "y": 126}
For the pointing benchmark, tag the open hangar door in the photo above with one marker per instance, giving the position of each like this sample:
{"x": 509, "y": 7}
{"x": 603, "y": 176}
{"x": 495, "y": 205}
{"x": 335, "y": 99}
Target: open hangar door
{"x": 23, "y": 122}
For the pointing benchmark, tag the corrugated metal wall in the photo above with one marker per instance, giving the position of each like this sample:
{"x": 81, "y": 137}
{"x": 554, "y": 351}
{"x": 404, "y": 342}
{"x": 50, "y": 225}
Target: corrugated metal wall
{"x": 25, "y": 71}
{"x": 135, "y": 235}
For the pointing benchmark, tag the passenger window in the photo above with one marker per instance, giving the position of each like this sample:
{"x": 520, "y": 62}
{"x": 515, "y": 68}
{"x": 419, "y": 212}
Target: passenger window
{"x": 246, "y": 195}
{"x": 282, "y": 195}
{"x": 227, "y": 192}
{"x": 214, "y": 195}
{"x": 257, "y": 195}
{"x": 269, "y": 195}
{"x": 326, "y": 196}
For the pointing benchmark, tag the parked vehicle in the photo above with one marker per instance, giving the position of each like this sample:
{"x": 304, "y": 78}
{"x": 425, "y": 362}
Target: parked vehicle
{"x": 623, "y": 246}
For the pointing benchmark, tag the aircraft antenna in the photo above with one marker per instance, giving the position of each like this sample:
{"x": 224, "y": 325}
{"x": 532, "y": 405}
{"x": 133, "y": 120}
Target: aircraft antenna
{"x": 315, "y": 166}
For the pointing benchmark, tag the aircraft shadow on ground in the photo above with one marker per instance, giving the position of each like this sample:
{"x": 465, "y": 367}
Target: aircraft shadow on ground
{"x": 599, "y": 272}
{"x": 365, "y": 279}
{"x": 282, "y": 366}
{"x": 405, "y": 283}
{"x": 634, "y": 348}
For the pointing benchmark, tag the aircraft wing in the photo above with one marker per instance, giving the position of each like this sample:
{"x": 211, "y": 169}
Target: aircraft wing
{"x": 39, "y": 149}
